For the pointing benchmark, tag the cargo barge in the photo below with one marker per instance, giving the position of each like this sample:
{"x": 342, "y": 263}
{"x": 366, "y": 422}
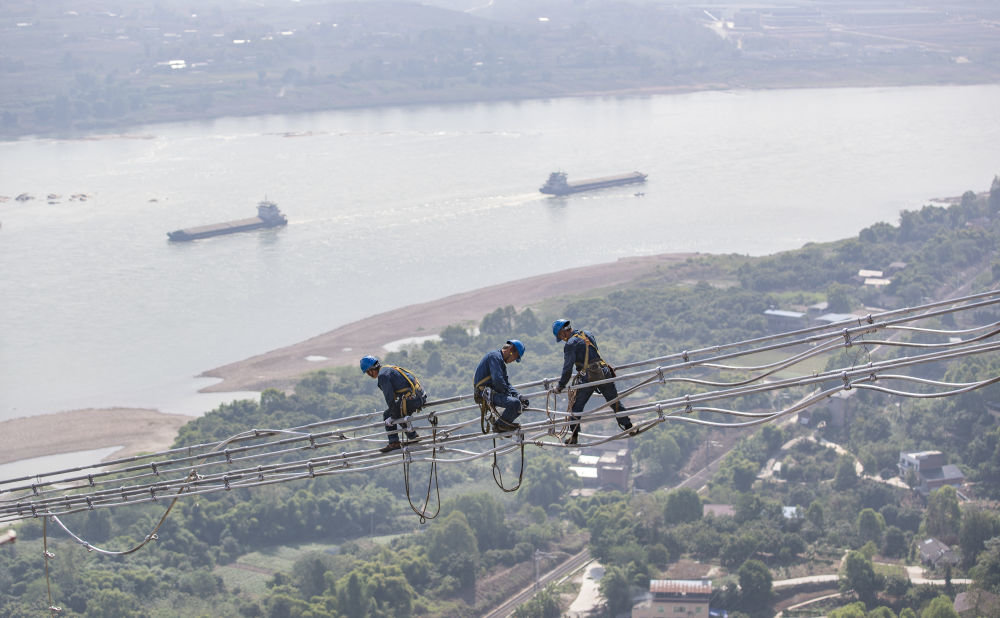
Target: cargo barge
{"x": 558, "y": 185}
{"x": 268, "y": 215}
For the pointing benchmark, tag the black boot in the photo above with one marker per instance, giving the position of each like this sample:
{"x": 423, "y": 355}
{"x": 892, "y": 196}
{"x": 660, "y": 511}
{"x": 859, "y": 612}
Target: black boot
{"x": 501, "y": 426}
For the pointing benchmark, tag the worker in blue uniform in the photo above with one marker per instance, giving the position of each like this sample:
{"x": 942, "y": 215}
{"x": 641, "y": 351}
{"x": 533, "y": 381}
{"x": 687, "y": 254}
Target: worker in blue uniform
{"x": 580, "y": 352}
{"x": 403, "y": 395}
{"x": 491, "y": 373}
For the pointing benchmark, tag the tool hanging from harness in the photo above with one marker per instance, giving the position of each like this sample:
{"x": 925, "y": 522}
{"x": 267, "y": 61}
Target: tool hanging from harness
{"x": 411, "y": 392}
{"x": 488, "y": 416}
{"x": 487, "y": 411}
{"x": 593, "y": 371}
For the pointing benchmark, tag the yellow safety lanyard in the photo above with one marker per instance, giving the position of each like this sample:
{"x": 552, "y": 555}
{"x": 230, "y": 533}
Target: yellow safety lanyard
{"x": 412, "y": 381}
{"x": 403, "y": 393}
{"x": 586, "y": 352}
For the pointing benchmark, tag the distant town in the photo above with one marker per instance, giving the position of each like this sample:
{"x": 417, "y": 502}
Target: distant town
{"x": 87, "y": 66}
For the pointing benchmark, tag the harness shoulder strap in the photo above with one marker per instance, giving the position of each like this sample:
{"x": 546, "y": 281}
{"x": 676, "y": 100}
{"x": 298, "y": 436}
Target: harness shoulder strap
{"x": 410, "y": 379}
{"x": 586, "y": 352}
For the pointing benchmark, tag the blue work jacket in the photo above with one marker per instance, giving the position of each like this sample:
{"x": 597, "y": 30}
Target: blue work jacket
{"x": 492, "y": 365}
{"x": 393, "y": 385}
{"x": 575, "y": 352}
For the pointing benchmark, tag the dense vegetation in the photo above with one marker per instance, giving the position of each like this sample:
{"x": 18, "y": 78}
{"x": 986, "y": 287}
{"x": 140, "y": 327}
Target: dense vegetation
{"x": 359, "y": 551}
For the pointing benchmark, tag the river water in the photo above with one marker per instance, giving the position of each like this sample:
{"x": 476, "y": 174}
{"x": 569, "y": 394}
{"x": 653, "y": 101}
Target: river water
{"x": 393, "y": 206}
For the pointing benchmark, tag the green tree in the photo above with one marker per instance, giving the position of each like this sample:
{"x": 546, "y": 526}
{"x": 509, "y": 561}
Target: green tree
{"x": 755, "y": 586}
{"x": 858, "y": 575}
{"x": 485, "y": 515}
{"x": 847, "y": 475}
{"x": 113, "y": 604}
{"x": 986, "y": 573}
{"x": 894, "y": 543}
{"x": 941, "y": 607}
{"x": 815, "y": 514}
{"x": 943, "y": 517}
{"x": 309, "y": 573}
{"x": 978, "y": 526}
{"x": 744, "y": 474}
{"x": 871, "y": 525}
{"x": 450, "y": 537}
{"x": 545, "y": 604}
{"x": 683, "y": 505}
{"x": 854, "y": 610}
{"x": 616, "y": 588}
{"x": 546, "y": 480}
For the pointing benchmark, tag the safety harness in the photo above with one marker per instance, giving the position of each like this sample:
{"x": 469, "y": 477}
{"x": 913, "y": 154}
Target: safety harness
{"x": 402, "y": 394}
{"x": 488, "y": 416}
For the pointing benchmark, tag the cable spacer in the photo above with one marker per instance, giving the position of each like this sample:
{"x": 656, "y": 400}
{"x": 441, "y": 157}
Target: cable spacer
{"x": 260, "y": 473}
{"x": 124, "y": 495}
{"x": 90, "y": 477}
{"x": 152, "y": 494}
{"x": 90, "y": 503}
{"x": 312, "y": 473}
{"x": 847, "y": 381}
{"x": 34, "y": 489}
{"x": 684, "y": 355}
{"x": 659, "y": 411}
{"x": 432, "y": 419}
{"x": 229, "y": 456}
{"x": 687, "y": 404}
{"x": 659, "y": 374}
{"x": 225, "y": 481}
{"x": 312, "y": 441}
{"x": 34, "y": 512}
{"x": 847, "y": 338}
{"x": 152, "y": 466}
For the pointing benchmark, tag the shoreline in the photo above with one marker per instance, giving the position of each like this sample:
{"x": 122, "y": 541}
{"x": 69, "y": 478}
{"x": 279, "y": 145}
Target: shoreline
{"x": 283, "y": 367}
{"x": 135, "y": 430}
{"x": 142, "y": 430}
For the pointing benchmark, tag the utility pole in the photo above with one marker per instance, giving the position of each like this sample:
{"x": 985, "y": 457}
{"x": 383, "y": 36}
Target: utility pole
{"x": 539, "y": 554}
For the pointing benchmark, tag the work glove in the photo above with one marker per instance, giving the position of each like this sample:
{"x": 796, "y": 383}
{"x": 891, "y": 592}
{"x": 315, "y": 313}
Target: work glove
{"x": 524, "y": 401}
{"x": 558, "y": 389}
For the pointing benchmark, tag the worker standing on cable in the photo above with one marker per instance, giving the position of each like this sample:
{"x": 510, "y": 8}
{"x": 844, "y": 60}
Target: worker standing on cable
{"x": 403, "y": 395}
{"x": 491, "y": 373}
{"x": 580, "y": 351}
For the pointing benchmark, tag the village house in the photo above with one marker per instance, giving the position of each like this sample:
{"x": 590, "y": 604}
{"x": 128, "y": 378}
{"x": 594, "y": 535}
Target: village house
{"x": 930, "y": 470}
{"x": 680, "y": 598}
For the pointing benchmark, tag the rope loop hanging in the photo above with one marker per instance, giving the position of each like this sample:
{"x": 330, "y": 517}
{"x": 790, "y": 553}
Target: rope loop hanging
{"x": 498, "y": 474}
{"x": 432, "y": 482}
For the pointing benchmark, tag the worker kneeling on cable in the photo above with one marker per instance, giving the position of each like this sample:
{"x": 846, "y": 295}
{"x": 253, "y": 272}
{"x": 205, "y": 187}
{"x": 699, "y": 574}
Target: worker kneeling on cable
{"x": 403, "y": 395}
{"x": 580, "y": 351}
{"x": 491, "y": 374}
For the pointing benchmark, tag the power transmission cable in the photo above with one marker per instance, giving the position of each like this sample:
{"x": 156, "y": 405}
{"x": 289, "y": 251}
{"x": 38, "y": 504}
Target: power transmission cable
{"x": 260, "y": 457}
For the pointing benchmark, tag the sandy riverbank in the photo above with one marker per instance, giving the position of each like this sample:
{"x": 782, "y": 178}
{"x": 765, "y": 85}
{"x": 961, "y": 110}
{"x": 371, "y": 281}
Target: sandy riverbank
{"x": 135, "y": 430}
{"x": 142, "y": 430}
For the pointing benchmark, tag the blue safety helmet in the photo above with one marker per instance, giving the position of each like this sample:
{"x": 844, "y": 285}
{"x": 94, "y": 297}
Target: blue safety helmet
{"x": 558, "y": 325}
{"x": 368, "y": 362}
{"x": 519, "y": 347}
